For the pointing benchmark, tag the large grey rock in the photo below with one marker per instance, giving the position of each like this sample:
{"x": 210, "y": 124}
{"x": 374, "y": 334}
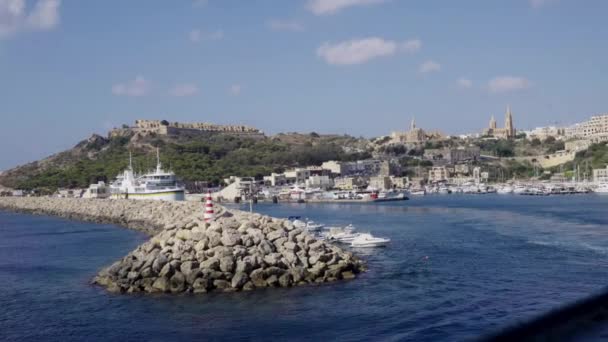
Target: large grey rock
{"x": 239, "y": 279}
{"x": 210, "y": 264}
{"x": 275, "y": 234}
{"x": 159, "y": 262}
{"x": 161, "y": 284}
{"x": 227, "y": 264}
{"x": 177, "y": 283}
{"x": 230, "y": 238}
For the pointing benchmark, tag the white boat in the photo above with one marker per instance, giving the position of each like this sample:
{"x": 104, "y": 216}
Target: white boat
{"x": 309, "y": 225}
{"x": 601, "y": 189}
{"x": 367, "y": 240}
{"x": 505, "y": 190}
{"x": 156, "y": 185}
{"x": 342, "y": 235}
{"x": 417, "y": 192}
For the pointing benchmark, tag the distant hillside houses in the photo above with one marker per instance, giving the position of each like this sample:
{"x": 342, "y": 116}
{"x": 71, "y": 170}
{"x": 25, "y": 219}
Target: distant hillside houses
{"x": 164, "y": 127}
{"x": 595, "y": 129}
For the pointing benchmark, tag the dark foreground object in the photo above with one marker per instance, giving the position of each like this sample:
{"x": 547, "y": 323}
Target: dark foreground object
{"x": 570, "y": 323}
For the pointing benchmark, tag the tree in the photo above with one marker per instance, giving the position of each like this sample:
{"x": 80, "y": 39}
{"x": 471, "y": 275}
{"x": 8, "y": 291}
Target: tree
{"x": 164, "y": 123}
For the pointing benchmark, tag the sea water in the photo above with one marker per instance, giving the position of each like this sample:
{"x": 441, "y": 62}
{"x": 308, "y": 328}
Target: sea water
{"x": 458, "y": 267}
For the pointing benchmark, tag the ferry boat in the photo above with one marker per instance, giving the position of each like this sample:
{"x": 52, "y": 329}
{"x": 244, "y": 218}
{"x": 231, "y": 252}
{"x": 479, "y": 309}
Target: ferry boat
{"x": 156, "y": 185}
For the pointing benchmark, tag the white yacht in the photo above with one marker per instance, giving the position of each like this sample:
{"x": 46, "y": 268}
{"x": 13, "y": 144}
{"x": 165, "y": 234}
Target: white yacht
{"x": 367, "y": 240}
{"x": 505, "y": 190}
{"x": 601, "y": 189}
{"x": 156, "y": 185}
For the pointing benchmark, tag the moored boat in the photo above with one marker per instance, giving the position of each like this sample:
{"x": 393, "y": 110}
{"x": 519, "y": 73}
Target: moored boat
{"x": 366, "y": 240}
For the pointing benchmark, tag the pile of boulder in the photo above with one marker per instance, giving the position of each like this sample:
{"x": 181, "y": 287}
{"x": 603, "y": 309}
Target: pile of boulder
{"x": 234, "y": 251}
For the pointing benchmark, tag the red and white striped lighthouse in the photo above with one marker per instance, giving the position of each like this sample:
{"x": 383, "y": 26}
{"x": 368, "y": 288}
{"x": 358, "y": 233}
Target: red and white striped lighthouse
{"x": 208, "y": 216}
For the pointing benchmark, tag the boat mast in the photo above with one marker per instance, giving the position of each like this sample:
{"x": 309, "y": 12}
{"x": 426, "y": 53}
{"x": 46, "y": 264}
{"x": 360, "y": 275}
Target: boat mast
{"x": 158, "y": 166}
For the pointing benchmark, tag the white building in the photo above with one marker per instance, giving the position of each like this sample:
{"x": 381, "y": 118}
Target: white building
{"x": 99, "y": 190}
{"x": 297, "y": 176}
{"x": 319, "y": 182}
{"x": 597, "y": 125}
{"x": 543, "y": 133}
{"x": 275, "y": 179}
{"x": 600, "y": 175}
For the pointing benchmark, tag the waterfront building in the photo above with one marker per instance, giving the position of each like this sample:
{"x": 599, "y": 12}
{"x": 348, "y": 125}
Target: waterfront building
{"x": 438, "y": 174}
{"x": 400, "y": 182}
{"x": 275, "y": 179}
{"x": 381, "y": 183}
{"x": 297, "y": 176}
{"x": 319, "y": 182}
{"x": 357, "y": 168}
{"x": 600, "y": 175}
{"x": 350, "y": 183}
{"x": 508, "y": 132}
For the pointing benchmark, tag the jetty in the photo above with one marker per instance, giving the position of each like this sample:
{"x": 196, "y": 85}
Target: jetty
{"x": 233, "y": 251}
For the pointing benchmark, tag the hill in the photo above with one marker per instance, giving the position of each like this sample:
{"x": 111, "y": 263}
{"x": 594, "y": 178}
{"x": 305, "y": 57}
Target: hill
{"x": 193, "y": 157}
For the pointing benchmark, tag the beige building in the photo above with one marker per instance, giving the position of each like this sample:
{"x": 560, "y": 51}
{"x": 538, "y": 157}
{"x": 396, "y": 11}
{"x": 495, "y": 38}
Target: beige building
{"x": 415, "y": 135}
{"x": 596, "y": 126}
{"x": 438, "y": 174}
{"x": 381, "y": 183}
{"x": 349, "y": 183}
{"x": 400, "y": 182}
{"x": 543, "y": 133}
{"x": 508, "y": 132}
{"x": 163, "y": 127}
{"x": 600, "y": 175}
{"x": 275, "y": 179}
{"x": 321, "y": 182}
{"x": 297, "y": 176}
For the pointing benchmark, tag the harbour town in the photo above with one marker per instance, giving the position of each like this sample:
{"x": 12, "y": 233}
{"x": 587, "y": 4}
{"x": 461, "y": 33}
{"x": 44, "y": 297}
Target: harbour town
{"x": 307, "y": 170}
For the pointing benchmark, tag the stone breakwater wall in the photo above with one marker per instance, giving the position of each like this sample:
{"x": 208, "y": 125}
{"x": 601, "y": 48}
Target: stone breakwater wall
{"x": 236, "y": 251}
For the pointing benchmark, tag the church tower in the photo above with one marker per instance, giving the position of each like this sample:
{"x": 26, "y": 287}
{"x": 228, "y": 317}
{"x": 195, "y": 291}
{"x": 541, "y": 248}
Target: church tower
{"x": 492, "y": 123}
{"x": 413, "y": 124}
{"x": 510, "y": 130}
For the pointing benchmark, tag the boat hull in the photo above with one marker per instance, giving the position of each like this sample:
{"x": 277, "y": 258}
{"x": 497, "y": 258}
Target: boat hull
{"x": 369, "y": 244}
{"x": 175, "y": 195}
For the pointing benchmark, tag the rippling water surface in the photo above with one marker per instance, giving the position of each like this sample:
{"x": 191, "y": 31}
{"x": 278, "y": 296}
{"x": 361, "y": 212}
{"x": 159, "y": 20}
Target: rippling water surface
{"x": 458, "y": 268}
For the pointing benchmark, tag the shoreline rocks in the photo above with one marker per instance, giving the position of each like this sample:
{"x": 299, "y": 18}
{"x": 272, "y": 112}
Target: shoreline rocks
{"x": 237, "y": 251}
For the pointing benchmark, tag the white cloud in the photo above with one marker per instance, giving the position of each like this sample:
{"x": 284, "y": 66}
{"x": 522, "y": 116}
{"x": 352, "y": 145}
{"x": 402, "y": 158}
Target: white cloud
{"x": 285, "y": 25}
{"x": 235, "y": 89}
{"x": 429, "y": 66}
{"x": 356, "y": 51}
{"x": 197, "y": 35}
{"x": 14, "y": 17}
{"x": 412, "y": 46}
{"x": 186, "y": 89}
{"x": 465, "y": 83}
{"x": 45, "y": 15}
{"x": 540, "y": 3}
{"x": 137, "y": 87}
{"x": 507, "y": 83}
{"x": 325, "y": 7}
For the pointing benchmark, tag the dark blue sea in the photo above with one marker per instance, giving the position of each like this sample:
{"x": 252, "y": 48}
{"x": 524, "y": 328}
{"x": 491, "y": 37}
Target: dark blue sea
{"x": 459, "y": 267}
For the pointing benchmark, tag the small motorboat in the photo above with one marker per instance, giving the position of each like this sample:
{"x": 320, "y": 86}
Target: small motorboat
{"x": 309, "y": 225}
{"x": 366, "y": 240}
{"x": 342, "y": 235}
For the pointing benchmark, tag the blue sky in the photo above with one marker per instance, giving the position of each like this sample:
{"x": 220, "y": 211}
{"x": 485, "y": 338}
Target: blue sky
{"x": 364, "y": 67}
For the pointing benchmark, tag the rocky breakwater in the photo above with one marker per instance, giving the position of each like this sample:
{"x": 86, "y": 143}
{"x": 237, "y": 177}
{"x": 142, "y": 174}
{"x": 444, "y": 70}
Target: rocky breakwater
{"x": 235, "y": 251}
